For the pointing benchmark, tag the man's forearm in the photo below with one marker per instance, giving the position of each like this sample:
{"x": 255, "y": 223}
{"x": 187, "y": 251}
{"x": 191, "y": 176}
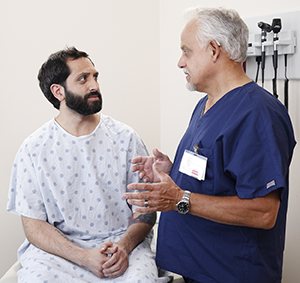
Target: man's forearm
{"x": 259, "y": 212}
{"x": 50, "y": 239}
{"x": 139, "y": 227}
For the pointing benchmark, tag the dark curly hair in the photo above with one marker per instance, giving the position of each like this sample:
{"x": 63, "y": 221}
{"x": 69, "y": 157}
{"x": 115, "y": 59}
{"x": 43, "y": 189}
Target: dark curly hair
{"x": 55, "y": 71}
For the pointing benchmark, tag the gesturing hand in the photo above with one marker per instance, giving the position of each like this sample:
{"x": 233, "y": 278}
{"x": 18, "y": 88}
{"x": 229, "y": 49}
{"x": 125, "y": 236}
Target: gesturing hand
{"x": 161, "y": 196}
{"x": 144, "y": 164}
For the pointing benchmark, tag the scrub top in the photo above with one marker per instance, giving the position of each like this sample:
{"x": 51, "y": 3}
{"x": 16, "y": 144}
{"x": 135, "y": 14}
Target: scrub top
{"x": 248, "y": 140}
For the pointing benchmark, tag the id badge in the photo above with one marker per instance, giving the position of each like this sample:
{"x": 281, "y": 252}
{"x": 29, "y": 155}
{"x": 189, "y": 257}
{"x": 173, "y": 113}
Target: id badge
{"x": 193, "y": 164}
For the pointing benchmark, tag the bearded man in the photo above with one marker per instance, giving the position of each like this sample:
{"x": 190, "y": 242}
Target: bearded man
{"x": 67, "y": 184}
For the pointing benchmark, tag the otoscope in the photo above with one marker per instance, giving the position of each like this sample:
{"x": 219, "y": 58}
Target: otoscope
{"x": 264, "y": 29}
{"x": 276, "y": 27}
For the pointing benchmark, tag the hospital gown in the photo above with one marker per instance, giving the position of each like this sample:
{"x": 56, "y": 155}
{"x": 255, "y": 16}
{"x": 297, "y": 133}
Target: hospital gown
{"x": 76, "y": 184}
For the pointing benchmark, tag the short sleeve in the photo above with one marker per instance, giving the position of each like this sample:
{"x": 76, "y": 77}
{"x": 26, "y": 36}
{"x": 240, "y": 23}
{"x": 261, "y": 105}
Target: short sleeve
{"x": 252, "y": 156}
{"x": 24, "y": 197}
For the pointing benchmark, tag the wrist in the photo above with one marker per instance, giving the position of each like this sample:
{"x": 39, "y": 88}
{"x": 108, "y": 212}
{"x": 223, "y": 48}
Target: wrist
{"x": 81, "y": 257}
{"x": 183, "y": 206}
{"x": 125, "y": 245}
{"x": 178, "y": 197}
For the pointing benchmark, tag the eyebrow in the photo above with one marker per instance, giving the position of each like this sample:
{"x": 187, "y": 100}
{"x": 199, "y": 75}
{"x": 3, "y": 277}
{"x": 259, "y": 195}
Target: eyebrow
{"x": 182, "y": 47}
{"x": 185, "y": 47}
{"x": 87, "y": 74}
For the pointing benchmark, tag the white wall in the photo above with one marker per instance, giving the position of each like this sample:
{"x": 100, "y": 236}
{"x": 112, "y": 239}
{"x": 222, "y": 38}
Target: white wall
{"x": 177, "y": 103}
{"x": 122, "y": 38}
{"x": 135, "y": 46}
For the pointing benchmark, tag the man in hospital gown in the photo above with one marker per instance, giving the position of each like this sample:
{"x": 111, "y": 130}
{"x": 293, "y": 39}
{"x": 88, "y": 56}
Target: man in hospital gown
{"x": 67, "y": 184}
{"x": 224, "y": 199}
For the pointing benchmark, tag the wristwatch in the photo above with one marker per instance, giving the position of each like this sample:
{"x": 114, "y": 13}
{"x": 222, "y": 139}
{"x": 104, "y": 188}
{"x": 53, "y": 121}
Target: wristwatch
{"x": 183, "y": 206}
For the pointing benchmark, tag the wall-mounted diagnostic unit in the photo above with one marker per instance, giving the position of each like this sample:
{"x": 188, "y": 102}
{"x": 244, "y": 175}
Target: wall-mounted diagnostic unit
{"x": 272, "y": 49}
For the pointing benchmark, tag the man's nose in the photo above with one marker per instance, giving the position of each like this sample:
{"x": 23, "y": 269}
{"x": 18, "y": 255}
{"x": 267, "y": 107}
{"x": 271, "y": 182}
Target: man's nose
{"x": 94, "y": 86}
{"x": 181, "y": 63}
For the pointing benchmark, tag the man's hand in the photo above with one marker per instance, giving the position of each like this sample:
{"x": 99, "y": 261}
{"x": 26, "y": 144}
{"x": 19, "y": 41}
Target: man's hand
{"x": 110, "y": 260}
{"x": 144, "y": 165}
{"x": 94, "y": 260}
{"x": 161, "y": 196}
{"x": 118, "y": 261}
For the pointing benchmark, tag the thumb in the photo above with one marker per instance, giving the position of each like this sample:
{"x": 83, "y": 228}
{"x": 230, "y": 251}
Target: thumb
{"x": 158, "y": 154}
{"x": 159, "y": 174}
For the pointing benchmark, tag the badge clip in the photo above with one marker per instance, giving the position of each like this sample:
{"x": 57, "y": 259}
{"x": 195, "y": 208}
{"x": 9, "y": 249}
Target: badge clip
{"x": 196, "y": 148}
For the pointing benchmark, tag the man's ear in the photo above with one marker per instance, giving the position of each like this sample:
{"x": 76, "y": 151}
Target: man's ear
{"x": 215, "y": 49}
{"x": 58, "y": 91}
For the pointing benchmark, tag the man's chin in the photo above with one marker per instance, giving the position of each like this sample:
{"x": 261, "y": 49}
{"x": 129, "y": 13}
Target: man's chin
{"x": 191, "y": 87}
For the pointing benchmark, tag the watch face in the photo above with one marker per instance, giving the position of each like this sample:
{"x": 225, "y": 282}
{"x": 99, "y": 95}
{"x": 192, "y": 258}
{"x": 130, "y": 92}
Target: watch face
{"x": 183, "y": 207}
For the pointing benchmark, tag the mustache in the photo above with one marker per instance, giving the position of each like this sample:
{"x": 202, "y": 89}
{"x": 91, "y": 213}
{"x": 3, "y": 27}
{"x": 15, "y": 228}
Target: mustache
{"x": 186, "y": 71}
{"x": 94, "y": 93}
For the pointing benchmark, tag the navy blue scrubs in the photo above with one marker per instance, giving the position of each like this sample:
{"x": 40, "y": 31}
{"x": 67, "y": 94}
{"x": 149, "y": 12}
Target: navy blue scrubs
{"x": 248, "y": 139}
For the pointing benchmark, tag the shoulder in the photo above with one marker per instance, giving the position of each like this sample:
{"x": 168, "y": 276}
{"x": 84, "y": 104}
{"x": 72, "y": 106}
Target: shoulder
{"x": 261, "y": 98}
{"x": 115, "y": 127}
{"x": 38, "y": 137}
{"x": 123, "y": 134}
{"x": 254, "y": 110}
{"x": 251, "y": 100}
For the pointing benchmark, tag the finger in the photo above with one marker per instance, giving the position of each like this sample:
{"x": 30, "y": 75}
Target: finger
{"x": 140, "y": 187}
{"x": 138, "y": 159}
{"x": 145, "y": 178}
{"x": 144, "y": 210}
{"x": 140, "y": 203}
{"x": 116, "y": 266}
{"x": 161, "y": 175}
{"x": 158, "y": 154}
{"x": 143, "y": 206}
{"x": 137, "y": 167}
{"x": 108, "y": 264}
{"x": 114, "y": 272}
{"x": 106, "y": 245}
{"x": 109, "y": 250}
{"x": 135, "y": 196}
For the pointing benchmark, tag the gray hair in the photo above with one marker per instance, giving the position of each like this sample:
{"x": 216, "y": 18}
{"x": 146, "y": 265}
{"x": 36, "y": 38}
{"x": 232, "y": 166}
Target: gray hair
{"x": 225, "y": 26}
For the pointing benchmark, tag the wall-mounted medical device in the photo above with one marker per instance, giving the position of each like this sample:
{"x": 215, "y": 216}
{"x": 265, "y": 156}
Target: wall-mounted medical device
{"x": 272, "y": 50}
{"x": 283, "y": 39}
{"x": 286, "y": 43}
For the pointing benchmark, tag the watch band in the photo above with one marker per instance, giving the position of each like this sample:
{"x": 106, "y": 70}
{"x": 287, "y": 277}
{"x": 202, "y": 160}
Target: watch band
{"x": 186, "y": 195}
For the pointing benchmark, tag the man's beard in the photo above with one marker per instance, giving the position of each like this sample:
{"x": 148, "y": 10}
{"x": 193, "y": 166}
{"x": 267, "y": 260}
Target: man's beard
{"x": 81, "y": 105}
{"x": 189, "y": 84}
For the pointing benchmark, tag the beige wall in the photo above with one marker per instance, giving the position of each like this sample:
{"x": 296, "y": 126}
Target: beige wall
{"x": 135, "y": 46}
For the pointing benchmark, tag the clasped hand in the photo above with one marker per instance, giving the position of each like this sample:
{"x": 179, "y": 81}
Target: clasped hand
{"x": 163, "y": 193}
{"x": 108, "y": 261}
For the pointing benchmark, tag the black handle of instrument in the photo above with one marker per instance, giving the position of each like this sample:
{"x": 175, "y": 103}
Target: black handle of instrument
{"x": 275, "y": 87}
{"x": 286, "y": 85}
{"x": 286, "y": 93}
{"x": 275, "y": 64}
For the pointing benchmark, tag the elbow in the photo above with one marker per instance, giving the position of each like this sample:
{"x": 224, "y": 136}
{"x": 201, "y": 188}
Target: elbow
{"x": 269, "y": 220}
{"x": 269, "y": 215}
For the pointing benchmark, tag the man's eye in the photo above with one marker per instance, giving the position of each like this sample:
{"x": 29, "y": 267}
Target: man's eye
{"x": 82, "y": 79}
